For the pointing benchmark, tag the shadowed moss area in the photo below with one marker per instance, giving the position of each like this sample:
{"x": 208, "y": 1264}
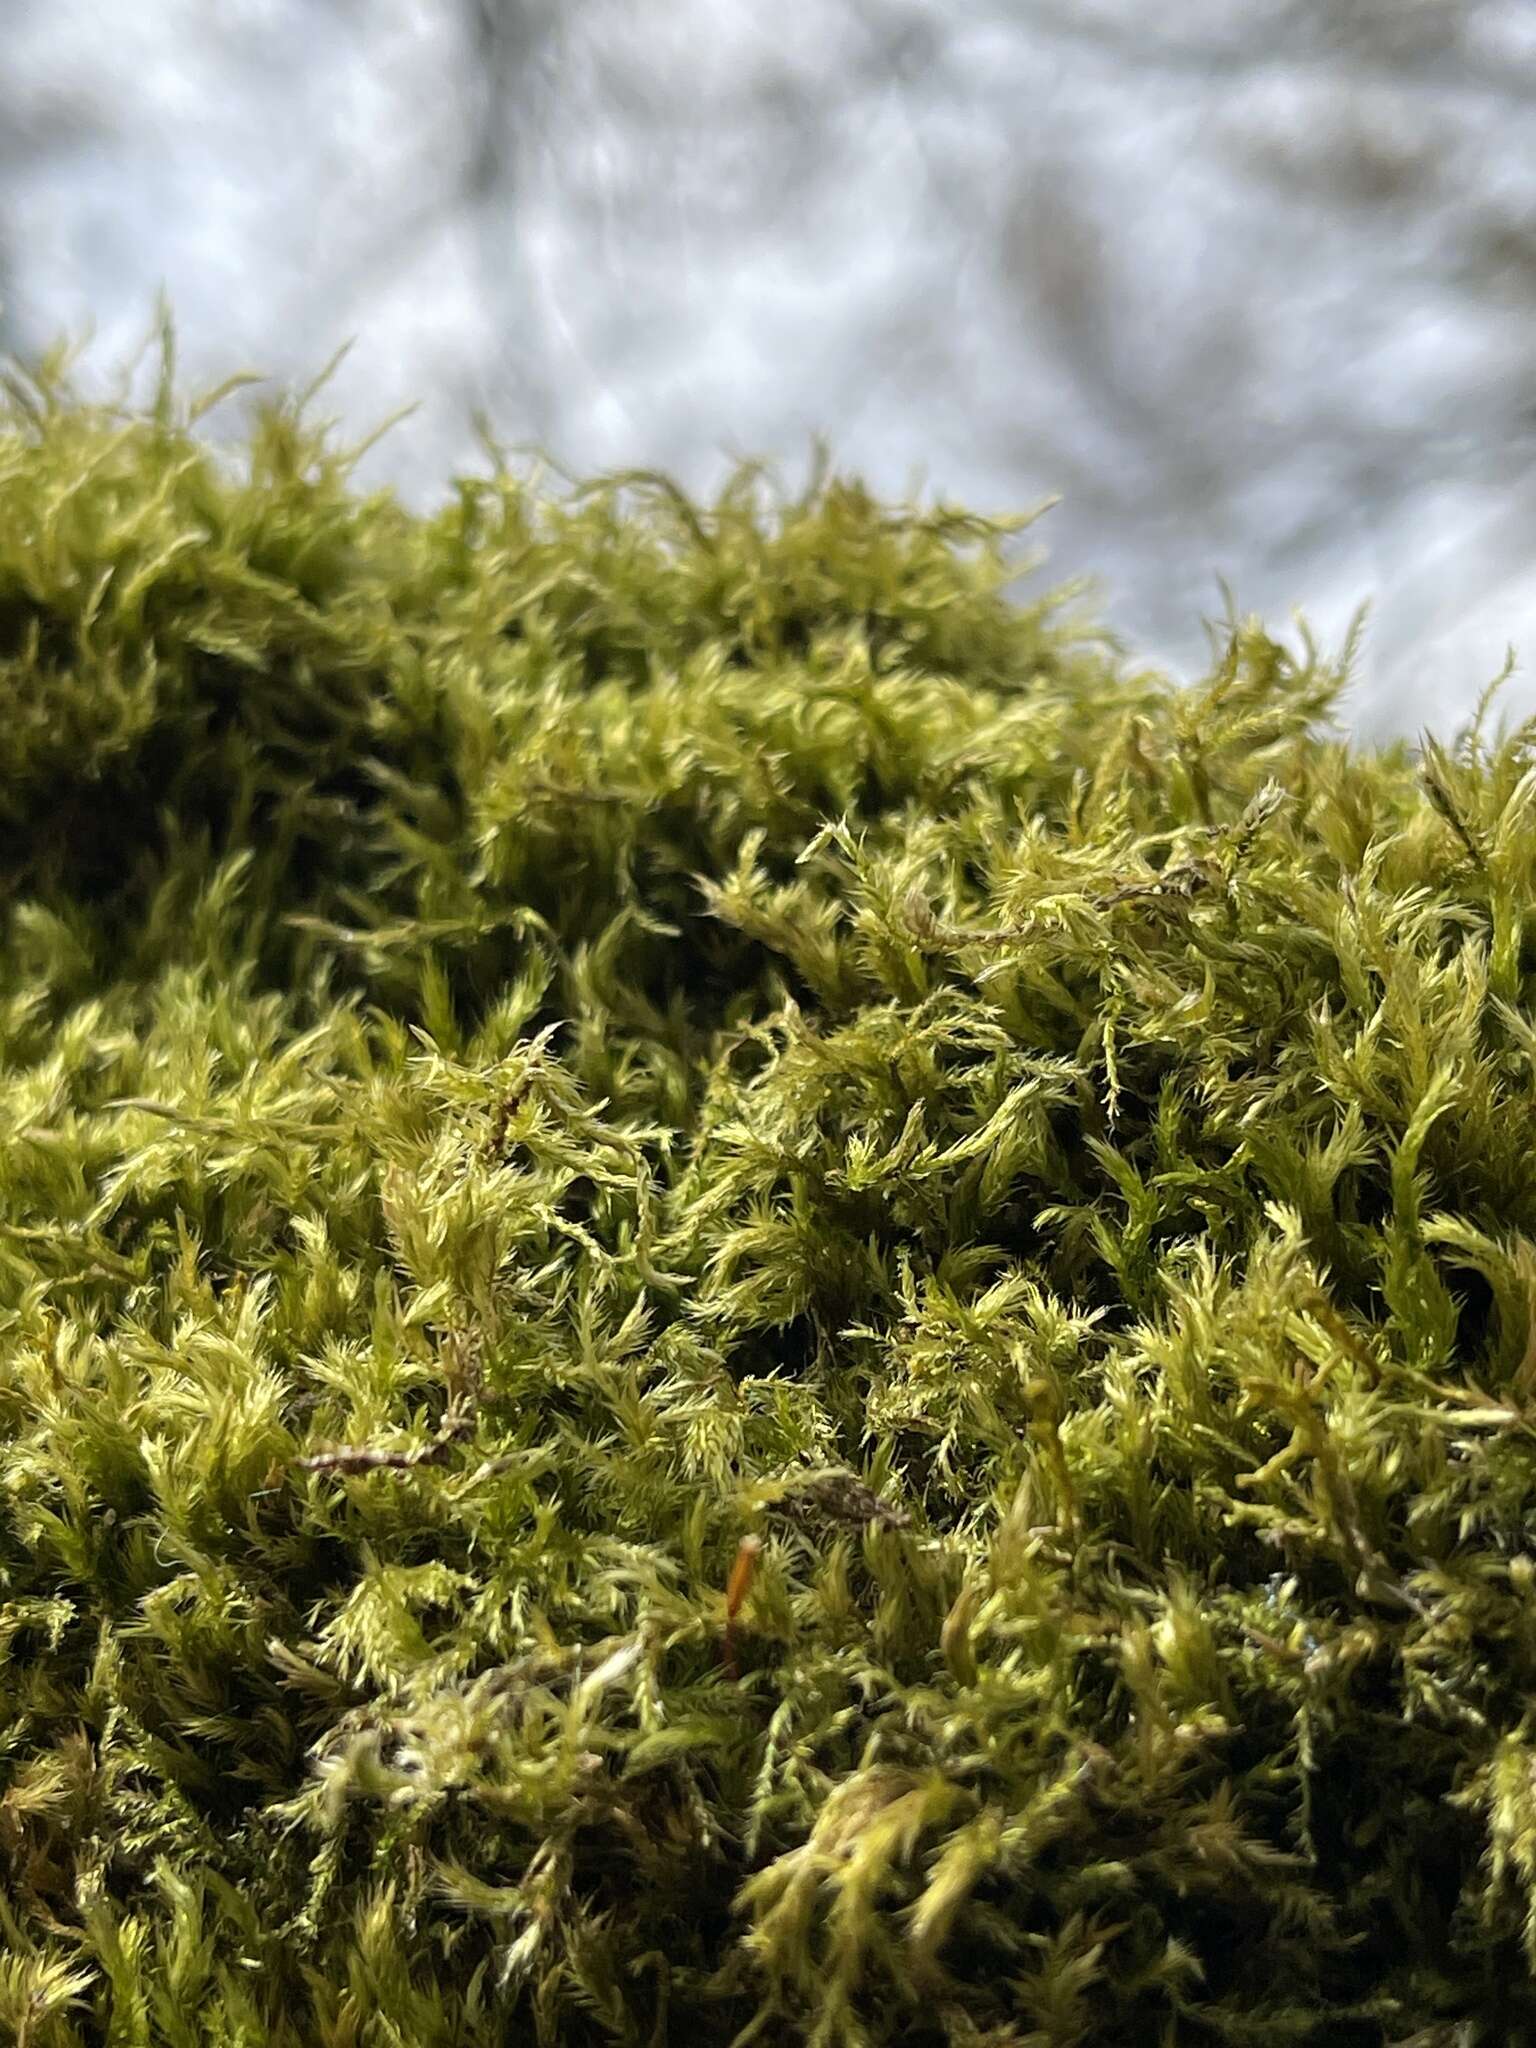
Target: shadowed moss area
{"x": 741, "y": 1297}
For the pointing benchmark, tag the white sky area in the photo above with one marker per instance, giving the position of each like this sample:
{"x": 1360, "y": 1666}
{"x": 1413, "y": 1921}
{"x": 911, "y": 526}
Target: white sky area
{"x": 1255, "y": 294}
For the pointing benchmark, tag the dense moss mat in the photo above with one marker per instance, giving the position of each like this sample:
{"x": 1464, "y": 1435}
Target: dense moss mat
{"x": 585, "y": 1052}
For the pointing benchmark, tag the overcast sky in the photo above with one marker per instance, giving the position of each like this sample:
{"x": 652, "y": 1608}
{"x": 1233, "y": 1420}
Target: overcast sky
{"x": 1253, "y": 288}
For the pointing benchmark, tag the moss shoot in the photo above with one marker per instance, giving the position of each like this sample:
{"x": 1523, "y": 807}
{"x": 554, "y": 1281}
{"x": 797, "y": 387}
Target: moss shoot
{"x": 742, "y": 1297}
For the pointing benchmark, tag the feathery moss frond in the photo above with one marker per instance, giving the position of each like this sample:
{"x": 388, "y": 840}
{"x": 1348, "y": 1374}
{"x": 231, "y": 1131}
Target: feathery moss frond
{"x": 740, "y": 1297}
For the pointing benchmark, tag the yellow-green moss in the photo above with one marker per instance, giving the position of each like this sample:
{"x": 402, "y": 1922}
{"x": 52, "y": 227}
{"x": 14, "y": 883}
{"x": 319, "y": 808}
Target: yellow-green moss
{"x": 539, "y": 1043}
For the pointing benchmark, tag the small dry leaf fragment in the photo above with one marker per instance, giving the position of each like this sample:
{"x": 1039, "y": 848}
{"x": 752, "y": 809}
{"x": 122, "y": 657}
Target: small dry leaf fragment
{"x": 840, "y": 1496}
{"x": 370, "y": 1458}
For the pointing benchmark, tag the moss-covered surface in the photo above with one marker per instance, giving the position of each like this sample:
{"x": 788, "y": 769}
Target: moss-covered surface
{"x": 583, "y": 1055}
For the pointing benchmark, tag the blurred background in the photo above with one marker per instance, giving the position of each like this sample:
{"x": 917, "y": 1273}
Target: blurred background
{"x": 1252, "y": 287}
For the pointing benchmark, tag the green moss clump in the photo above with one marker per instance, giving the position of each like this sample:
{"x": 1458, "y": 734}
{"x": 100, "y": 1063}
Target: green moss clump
{"x": 740, "y": 1297}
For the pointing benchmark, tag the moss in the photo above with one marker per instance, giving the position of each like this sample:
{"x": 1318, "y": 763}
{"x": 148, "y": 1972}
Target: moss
{"x": 741, "y": 1296}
